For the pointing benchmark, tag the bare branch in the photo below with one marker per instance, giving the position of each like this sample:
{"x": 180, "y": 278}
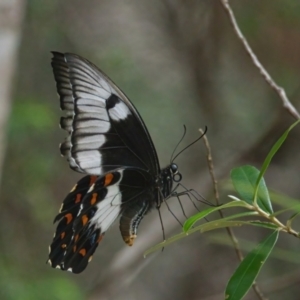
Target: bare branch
{"x": 279, "y": 90}
{"x": 229, "y": 230}
{"x": 215, "y": 184}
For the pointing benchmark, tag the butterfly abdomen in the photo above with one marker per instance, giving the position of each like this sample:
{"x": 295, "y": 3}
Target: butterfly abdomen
{"x": 130, "y": 219}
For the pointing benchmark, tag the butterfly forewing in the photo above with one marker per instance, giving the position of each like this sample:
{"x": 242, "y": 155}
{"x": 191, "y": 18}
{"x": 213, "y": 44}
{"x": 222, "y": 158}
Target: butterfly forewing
{"x": 105, "y": 130}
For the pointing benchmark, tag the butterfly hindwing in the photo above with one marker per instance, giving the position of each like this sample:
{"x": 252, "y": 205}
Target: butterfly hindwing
{"x": 67, "y": 214}
{"x": 77, "y": 237}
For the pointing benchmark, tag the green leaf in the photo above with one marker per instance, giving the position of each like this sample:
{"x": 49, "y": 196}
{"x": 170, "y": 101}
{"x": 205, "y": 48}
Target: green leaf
{"x": 291, "y": 219}
{"x": 221, "y": 223}
{"x": 268, "y": 225}
{"x": 202, "y": 214}
{"x": 278, "y": 212}
{"x": 231, "y": 217}
{"x": 216, "y": 224}
{"x": 244, "y": 180}
{"x": 247, "y": 271}
{"x": 272, "y": 152}
{"x": 240, "y": 215}
{"x": 165, "y": 243}
{"x": 243, "y": 177}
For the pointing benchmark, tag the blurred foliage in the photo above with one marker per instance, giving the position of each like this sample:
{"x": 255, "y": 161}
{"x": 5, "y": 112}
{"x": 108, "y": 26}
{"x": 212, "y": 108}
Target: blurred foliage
{"x": 22, "y": 121}
{"x": 55, "y": 288}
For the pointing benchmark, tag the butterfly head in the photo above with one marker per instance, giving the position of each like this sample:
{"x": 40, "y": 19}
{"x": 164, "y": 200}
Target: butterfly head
{"x": 168, "y": 175}
{"x": 175, "y": 173}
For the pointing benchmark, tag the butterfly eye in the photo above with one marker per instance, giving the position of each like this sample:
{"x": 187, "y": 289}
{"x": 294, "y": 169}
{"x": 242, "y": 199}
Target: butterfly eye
{"x": 177, "y": 177}
{"x": 174, "y": 168}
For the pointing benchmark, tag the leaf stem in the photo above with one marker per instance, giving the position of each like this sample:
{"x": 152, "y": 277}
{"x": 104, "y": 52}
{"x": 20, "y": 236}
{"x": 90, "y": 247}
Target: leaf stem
{"x": 275, "y": 221}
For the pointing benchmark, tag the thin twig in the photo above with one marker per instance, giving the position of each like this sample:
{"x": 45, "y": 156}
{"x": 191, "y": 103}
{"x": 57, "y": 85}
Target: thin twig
{"x": 278, "y": 89}
{"x": 229, "y": 230}
{"x": 216, "y": 193}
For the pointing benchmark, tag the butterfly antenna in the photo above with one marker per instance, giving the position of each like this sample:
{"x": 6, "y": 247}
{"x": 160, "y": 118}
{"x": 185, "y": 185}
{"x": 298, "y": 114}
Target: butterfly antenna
{"x": 184, "y": 133}
{"x": 190, "y": 144}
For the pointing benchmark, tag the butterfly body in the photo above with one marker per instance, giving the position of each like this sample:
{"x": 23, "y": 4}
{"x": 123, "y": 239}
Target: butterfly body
{"x": 108, "y": 141}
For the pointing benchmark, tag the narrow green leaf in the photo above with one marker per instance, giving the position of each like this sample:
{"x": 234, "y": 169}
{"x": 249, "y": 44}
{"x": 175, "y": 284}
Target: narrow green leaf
{"x": 202, "y": 228}
{"x": 278, "y": 212}
{"x": 249, "y": 268}
{"x": 236, "y": 216}
{"x": 268, "y": 225}
{"x": 244, "y": 180}
{"x": 221, "y": 223}
{"x": 202, "y": 214}
{"x": 165, "y": 243}
{"x": 216, "y": 224}
{"x": 272, "y": 152}
{"x": 241, "y": 215}
{"x": 290, "y": 220}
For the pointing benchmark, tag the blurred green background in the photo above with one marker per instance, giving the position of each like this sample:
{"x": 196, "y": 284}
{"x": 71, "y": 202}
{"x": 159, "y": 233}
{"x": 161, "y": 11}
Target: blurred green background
{"x": 180, "y": 63}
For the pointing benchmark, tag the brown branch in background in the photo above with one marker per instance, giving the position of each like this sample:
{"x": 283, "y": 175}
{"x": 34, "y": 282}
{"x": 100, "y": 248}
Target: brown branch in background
{"x": 279, "y": 90}
{"x": 211, "y": 167}
{"x": 229, "y": 230}
{"x": 216, "y": 193}
{"x": 11, "y": 17}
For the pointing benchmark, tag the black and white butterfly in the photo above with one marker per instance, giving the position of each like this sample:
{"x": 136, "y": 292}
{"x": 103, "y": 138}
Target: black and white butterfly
{"x": 108, "y": 140}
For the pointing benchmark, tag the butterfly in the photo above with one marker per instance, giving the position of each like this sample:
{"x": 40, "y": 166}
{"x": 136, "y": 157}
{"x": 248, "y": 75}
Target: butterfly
{"x": 108, "y": 141}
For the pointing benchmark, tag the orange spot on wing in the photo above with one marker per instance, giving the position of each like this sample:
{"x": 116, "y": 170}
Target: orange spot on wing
{"x": 62, "y": 235}
{"x": 94, "y": 198}
{"x": 93, "y": 179}
{"x": 76, "y": 238}
{"x": 78, "y": 198}
{"x": 108, "y": 179}
{"x": 82, "y": 252}
{"x": 74, "y": 249}
{"x": 84, "y": 219}
{"x": 69, "y": 218}
{"x": 64, "y": 246}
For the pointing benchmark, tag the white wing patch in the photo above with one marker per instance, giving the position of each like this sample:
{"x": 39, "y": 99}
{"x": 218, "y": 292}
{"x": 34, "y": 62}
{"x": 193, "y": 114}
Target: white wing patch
{"x": 108, "y": 210}
{"x": 90, "y": 161}
{"x": 119, "y": 112}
